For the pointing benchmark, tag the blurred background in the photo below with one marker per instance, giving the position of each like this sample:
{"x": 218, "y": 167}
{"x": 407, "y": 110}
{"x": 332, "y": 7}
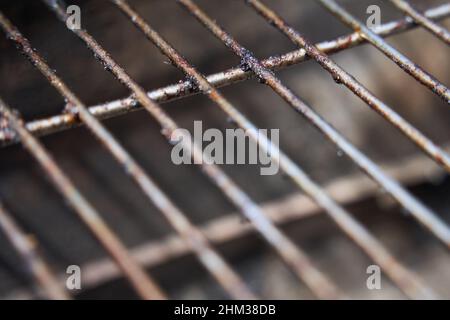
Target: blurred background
{"x": 65, "y": 241}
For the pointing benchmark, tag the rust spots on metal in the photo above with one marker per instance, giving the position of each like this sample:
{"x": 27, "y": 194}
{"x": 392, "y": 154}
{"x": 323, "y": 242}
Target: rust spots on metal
{"x": 340, "y": 76}
{"x": 402, "y": 61}
{"x": 176, "y": 91}
{"x": 421, "y": 19}
{"x": 424, "y": 215}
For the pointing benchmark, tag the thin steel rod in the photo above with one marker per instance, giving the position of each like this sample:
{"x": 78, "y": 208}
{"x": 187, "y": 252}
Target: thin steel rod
{"x": 137, "y": 276}
{"x": 293, "y": 256}
{"x": 341, "y": 76}
{"x": 179, "y": 90}
{"x": 35, "y": 264}
{"x": 200, "y": 245}
{"x": 350, "y": 226}
{"x": 393, "y": 54}
{"x": 415, "y": 207}
{"x": 215, "y": 96}
{"x": 439, "y": 31}
{"x": 293, "y": 208}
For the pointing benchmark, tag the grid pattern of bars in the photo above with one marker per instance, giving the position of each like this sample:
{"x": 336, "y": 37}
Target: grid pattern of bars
{"x": 292, "y": 255}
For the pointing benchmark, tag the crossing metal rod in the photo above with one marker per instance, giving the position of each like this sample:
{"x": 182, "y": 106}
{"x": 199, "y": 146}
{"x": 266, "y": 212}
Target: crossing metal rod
{"x": 410, "y": 203}
{"x": 35, "y": 264}
{"x": 178, "y": 220}
{"x": 393, "y": 54}
{"x": 290, "y": 168}
{"x": 135, "y": 274}
{"x": 179, "y": 90}
{"x": 341, "y": 76}
{"x": 293, "y": 256}
{"x": 439, "y": 31}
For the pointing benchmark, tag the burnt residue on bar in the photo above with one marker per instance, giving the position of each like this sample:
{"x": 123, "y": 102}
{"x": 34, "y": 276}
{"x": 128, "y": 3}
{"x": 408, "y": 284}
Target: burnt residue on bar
{"x": 180, "y": 90}
{"x": 341, "y": 76}
{"x": 423, "y": 20}
{"x": 401, "y": 60}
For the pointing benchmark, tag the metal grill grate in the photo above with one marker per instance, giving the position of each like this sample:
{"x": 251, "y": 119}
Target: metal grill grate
{"x": 191, "y": 237}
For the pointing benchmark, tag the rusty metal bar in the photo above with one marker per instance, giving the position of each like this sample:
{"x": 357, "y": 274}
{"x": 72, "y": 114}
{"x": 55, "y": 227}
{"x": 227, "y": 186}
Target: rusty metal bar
{"x": 35, "y": 264}
{"x": 137, "y": 276}
{"x": 341, "y": 76}
{"x": 439, "y": 31}
{"x": 401, "y": 60}
{"x": 206, "y": 254}
{"x": 179, "y": 90}
{"x": 337, "y": 72}
{"x": 350, "y": 226}
{"x": 293, "y": 256}
{"x": 415, "y": 207}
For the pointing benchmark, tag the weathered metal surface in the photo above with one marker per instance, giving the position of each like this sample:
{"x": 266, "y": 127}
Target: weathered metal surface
{"x": 401, "y": 60}
{"x": 207, "y": 255}
{"x": 341, "y": 76}
{"x": 423, "y": 20}
{"x": 179, "y": 90}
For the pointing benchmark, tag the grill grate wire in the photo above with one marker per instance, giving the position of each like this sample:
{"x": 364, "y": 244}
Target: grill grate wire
{"x": 291, "y": 254}
{"x": 439, "y": 31}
